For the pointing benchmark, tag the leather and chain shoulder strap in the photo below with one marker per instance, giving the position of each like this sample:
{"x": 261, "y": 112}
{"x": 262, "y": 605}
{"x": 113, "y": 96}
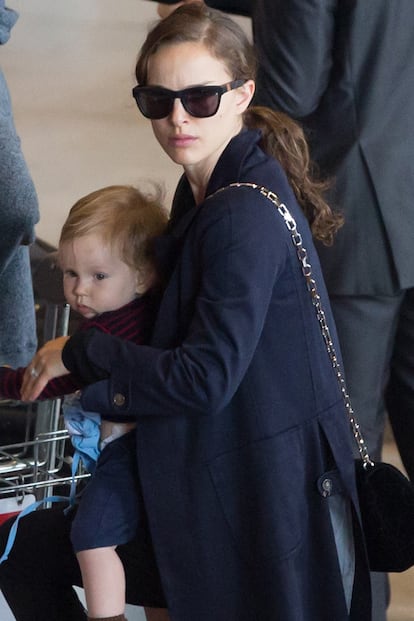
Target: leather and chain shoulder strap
{"x": 306, "y": 267}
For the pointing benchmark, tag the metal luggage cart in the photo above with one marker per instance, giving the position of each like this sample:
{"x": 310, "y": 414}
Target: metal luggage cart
{"x": 38, "y": 460}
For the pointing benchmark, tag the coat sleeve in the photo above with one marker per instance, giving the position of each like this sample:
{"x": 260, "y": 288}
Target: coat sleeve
{"x": 240, "y": 258}
{"x": 18, "y": 201}
{"x": 294, "y": 41}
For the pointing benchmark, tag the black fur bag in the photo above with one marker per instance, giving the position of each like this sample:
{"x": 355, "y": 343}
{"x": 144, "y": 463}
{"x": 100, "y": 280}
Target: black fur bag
{"x": 386, "y": 499}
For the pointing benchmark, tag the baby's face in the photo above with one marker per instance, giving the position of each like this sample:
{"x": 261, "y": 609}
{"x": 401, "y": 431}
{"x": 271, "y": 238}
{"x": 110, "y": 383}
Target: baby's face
{"x": 95, "y": 278}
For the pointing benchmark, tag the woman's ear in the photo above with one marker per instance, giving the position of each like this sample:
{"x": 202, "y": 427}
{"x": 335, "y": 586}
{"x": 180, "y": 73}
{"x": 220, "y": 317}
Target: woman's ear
{"x": 245, "y": 95}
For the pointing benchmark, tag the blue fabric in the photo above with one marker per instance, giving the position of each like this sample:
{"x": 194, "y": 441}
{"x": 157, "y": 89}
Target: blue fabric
{"x": 8, "y": 18}
{"x": 111, "y": 508}
{"x": 84, "y": 430}
{"x": 29, "y": 509}
{"x": 19, "y": 213}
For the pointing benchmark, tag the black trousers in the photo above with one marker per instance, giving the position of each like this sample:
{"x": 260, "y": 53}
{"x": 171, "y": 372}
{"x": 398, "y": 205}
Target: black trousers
{"x": 399, "y": 396}
{"x": 377, "y": 342}
{"x": 38, "y": 577}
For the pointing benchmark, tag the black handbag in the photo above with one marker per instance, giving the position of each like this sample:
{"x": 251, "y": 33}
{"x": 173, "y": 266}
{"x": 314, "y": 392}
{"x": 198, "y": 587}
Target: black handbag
{"x": 386, "y": 500}
{"x": 386, "y": 496}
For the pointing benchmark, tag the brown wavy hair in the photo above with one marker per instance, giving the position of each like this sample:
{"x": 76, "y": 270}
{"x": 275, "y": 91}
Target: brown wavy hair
{"x": 282, "y": 138}
{"x": 285, "y": 140}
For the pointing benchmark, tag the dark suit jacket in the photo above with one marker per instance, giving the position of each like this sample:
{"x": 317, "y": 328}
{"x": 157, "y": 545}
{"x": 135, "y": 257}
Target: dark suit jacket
{"x": 241, "y": 7}
{"x": 238, "y": 409}
{"x": 346, "y": 69}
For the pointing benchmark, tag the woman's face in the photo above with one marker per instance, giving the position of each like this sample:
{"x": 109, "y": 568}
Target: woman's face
{"x": 196, "y": 143}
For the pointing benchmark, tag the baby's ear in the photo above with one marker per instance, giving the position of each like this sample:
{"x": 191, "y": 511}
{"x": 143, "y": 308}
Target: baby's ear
{"x": 145, "y": 279}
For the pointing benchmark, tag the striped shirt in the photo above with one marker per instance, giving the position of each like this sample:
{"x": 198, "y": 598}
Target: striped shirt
{"x": 132, "y": 322}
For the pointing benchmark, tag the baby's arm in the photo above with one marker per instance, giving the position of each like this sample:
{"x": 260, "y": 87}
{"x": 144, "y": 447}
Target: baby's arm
{"x": 13, "y": 382}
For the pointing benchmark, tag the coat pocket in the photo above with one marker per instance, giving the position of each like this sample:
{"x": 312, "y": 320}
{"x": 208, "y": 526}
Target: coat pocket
{"x": 261, "y": 492}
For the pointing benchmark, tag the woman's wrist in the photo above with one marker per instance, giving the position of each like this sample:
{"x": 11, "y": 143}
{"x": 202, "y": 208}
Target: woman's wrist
{"x": 76, "y": 360}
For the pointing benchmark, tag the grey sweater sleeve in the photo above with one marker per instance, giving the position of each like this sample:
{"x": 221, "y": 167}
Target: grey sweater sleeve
{"x": 18, "y": 200}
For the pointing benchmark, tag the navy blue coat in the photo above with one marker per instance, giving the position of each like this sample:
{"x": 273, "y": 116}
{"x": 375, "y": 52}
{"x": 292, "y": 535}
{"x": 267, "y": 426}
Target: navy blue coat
{"x": 239, "y": 413}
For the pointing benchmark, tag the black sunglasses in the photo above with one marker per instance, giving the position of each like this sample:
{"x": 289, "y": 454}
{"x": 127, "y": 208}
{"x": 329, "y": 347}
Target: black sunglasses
{"x": 156, "y": 102}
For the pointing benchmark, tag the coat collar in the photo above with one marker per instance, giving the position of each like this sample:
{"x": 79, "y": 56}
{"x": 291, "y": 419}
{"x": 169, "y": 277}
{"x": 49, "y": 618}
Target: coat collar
{"x": 227, "y": 170}
{"x": 233, "y": 160}
{"x": 184, "y": 210}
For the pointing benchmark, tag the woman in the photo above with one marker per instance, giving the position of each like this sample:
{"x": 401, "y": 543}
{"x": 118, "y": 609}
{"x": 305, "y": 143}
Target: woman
{"x": 240, "y": 421}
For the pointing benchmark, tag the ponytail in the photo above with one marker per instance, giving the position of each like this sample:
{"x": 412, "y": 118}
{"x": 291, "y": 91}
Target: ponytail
{"x": 283, "y": 139}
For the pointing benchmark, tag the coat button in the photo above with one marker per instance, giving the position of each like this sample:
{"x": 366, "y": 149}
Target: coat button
{"x": 119, "y": 399}
{"x": 326, "y": 487}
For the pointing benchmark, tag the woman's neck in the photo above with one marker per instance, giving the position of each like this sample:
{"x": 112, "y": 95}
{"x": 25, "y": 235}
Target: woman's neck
{"x": 198, "y": 187}
{"x": 199, "y": 174}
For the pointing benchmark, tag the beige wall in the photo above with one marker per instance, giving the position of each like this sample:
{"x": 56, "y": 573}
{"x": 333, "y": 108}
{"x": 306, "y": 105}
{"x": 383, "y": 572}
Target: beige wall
{"x": 69, "y": 66}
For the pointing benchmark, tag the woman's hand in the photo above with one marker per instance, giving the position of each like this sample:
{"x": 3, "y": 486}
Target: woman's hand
{"x": 165, "y": 9}
{"x": 46, "y": 364}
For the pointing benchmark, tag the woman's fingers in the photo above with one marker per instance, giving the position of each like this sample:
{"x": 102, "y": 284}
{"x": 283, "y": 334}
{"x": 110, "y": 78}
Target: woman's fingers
{"x": 46, "y": 364}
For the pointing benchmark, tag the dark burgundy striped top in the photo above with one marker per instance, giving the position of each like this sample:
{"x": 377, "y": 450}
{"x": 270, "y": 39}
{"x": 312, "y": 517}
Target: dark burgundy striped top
{"x": 132, "y": 322}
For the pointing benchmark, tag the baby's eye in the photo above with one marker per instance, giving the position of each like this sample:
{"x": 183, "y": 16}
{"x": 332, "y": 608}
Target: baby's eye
{"x": 70, "y": 274}
{"x": 100, "y": 276}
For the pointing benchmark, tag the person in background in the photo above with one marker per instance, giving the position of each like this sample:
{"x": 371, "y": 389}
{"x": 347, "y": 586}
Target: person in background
{"x": 239, "y": 7}
{"x": 346, "y": 71}
{"x": 18, "y": 215}
{"x": 239, "y": 413}
{"x": 109, "y": 278}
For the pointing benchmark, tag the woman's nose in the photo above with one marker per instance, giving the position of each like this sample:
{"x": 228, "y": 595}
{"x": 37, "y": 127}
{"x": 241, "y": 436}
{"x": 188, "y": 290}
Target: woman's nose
{"x": 178, "y": 114}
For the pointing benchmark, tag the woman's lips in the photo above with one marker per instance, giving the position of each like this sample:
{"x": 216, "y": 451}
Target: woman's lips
{"x": 182, "y": 140}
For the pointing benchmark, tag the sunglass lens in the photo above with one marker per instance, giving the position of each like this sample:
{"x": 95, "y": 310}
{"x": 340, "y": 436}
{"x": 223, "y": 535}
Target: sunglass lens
{"x": 201, "y": 103}
{"x": 154, "y": 105}
{"x": 157, "y": 103}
